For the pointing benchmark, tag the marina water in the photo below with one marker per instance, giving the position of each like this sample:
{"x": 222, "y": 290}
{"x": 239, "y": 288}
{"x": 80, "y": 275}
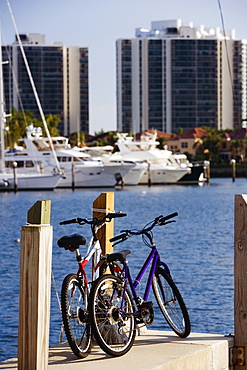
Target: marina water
{"x": 198, "y": 248}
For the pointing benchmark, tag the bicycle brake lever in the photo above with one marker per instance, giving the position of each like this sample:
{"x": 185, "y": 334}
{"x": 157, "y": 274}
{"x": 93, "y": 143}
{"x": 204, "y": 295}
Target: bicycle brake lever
{"x": 166, "y": 222}
{"x": 158, "y": 218}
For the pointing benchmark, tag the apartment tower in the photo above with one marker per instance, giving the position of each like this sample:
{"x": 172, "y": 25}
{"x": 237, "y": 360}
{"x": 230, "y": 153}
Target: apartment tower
{"x": 176, "y": 75}
{"x": 60, "y": 74}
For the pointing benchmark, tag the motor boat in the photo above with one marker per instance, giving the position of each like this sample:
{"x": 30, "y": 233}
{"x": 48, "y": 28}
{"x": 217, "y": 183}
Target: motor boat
{"x": 106, "y": 155}
{"x": 161, "y": 169}
{"x": 78, "y": 167}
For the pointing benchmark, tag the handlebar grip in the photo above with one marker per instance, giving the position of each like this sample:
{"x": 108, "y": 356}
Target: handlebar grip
{"x": 116, "y": 215}
{"x": 73, "y": 221}
{"x": 121, "y": 214}
{"x": 118, "y": 237}
{"x": 168, "y": 217}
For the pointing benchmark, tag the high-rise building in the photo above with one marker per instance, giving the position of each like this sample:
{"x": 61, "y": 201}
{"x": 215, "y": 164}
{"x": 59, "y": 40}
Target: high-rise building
{"x": 176, "y": 75}
{"x": 60, "y": 74}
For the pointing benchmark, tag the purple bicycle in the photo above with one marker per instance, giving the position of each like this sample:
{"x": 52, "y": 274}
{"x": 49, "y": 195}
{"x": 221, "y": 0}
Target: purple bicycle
{"x": 116, "y": 310}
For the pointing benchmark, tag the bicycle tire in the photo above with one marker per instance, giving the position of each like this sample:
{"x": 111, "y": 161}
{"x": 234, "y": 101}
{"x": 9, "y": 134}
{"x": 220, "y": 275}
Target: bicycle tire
{"x": 171, "y": 303}
{"x": 113, "y": 330}
{"x": 75, "y": 316}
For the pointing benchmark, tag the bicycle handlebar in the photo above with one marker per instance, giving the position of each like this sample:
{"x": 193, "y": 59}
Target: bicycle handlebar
{"x": 118, "y": 237}
{"x": 163, "y": 220}
{"x": 93, "y": 221}
{"x": 158, "y": 221}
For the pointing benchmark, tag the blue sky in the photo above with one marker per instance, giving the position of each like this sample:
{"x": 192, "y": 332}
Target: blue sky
{"x": 97, "y": 24}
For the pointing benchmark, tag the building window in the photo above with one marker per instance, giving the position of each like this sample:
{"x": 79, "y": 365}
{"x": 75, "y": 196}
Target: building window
{"x": 184, "y": 145}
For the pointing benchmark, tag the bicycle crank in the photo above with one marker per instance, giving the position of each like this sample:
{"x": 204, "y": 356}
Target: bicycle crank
{"x": 147, "y": 312}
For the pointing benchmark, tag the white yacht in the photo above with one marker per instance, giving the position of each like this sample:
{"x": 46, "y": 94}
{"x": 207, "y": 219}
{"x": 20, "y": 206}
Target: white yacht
{"x": 78, "y": 167}
{"x": 161, "y": 169}
{"x": 27, "y": 181}
{"x": 106, "y": 155}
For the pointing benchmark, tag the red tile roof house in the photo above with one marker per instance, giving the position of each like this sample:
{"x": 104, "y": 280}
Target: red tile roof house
{"x": 234, "y": 145}
{"x": 185, "y": 141}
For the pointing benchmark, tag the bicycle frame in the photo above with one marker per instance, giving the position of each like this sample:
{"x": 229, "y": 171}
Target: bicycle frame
{"x": 93, "y": 250}
{"x": 153, "y": 259}
{"x": 122, "y": 285}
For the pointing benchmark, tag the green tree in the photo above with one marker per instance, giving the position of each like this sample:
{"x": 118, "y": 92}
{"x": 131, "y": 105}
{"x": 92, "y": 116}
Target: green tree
{"x": 18, "y": 121}
{"x": 52, "y": 121}
{"x": 99, "y": 132}
{"x": 209, "y": 145}
{"x": 108, "y": 139}
{"x": 16, "y": 126}
{"x": 77, "y": 139}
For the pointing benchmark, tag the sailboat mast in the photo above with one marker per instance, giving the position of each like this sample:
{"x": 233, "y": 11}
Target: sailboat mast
{"x": 33, "y": 87}
{"x": 2, "y": 115}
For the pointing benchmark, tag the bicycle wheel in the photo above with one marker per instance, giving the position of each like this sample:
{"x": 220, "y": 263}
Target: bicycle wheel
{"x": 171, "y": 303}
{"x": 75, "y": 316}
{"x": 111, "y": 314}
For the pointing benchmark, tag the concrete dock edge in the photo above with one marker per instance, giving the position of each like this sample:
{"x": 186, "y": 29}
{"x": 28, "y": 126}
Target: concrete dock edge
{"x": 153, "y": 350}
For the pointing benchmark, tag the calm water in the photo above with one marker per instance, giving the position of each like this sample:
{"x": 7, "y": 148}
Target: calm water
{"x": 198, "y": 248}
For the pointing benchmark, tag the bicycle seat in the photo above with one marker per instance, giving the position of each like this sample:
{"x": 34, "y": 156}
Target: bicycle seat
{"x": 120, "y": 256}
{"x": 71, "y": 241}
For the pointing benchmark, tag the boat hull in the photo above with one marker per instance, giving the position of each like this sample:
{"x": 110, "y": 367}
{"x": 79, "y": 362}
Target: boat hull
{"x": 133, "y": 176}
{"x": 162, "y": 175}
{"x": 102, "y": 175}
{"x": 28, "y": 182}
{"x": 194, "y": 176}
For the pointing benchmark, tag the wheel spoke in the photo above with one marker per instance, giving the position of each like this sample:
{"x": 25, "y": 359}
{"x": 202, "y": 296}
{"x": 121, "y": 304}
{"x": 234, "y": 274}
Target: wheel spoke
{"x": 171, "y": 303}
{"x": 112, "y": 318}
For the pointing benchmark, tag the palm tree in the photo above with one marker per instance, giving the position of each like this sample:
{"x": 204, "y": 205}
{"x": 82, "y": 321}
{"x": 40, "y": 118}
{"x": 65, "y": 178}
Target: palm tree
{"x": 77, "y": 139}
{"x": 18, "y": 121}
{"x": 16, "y": 126}
{"x": 210, "y": 145}
{"x": 52, "y": 121}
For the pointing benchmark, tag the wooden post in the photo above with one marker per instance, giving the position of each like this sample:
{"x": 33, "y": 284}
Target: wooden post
{"x": 73, "y": 176}
{"x": 207, "y": 170}
{"x": 240, "y": 281}
{"x": 35, "y": 283}
{"x": 149, "y": 174}
{"x": 15, "y": 177}
{"x": 233, "y": 163}
{"x": 102, "y": 205}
